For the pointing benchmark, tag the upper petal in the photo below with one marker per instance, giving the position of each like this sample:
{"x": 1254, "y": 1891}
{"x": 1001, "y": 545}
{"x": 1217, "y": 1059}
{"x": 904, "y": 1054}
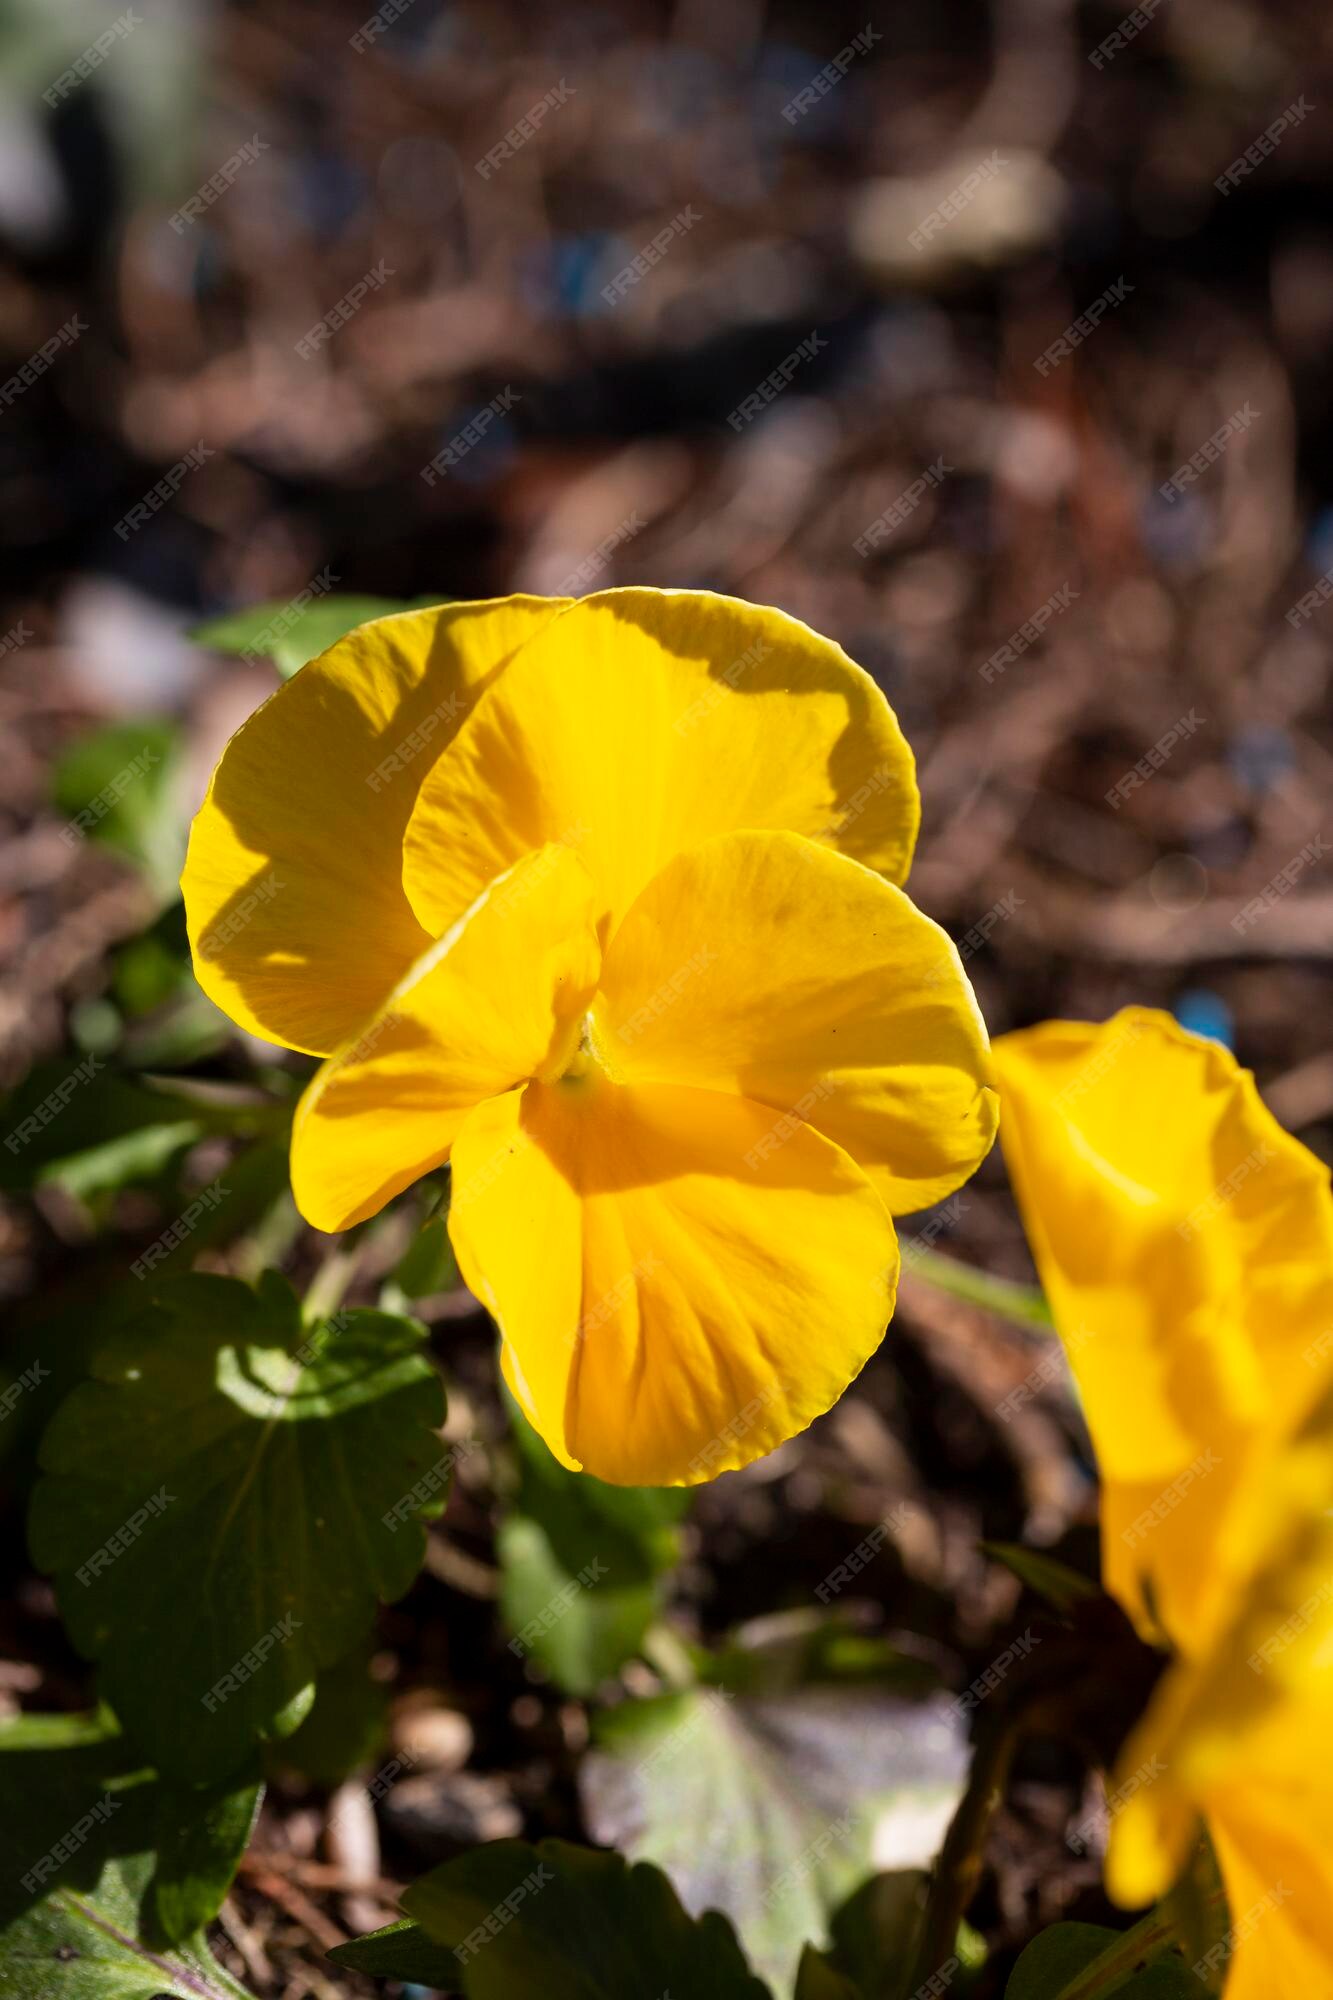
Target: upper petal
{"x": 763, "y": 964}
{"x": 676, "y": 1295}
{"x": 293, "y": 880}
{"x": 493, "y": 1002}
{"x": 1186, "y": 1245}
{"x": 642, "y": 721}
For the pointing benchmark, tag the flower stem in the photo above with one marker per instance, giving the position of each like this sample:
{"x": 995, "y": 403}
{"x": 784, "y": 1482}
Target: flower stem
{"x": 665, "y": 1652}
{"x": 329, "y": 1283}
{"x": 1025, "y": 1305}
{"x": 956, "y": 1872}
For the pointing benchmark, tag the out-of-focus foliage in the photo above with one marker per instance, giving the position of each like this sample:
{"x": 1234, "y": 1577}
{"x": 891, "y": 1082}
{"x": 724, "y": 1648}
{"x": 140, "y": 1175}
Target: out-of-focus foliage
{"x": 774, "y": 1808}
{"x": 584, "y": 1564}
{"x": 289, "y": 636}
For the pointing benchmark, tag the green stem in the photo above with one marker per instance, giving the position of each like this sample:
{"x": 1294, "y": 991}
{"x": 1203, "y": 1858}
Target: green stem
{"x": 668, "y": 1654}
{"x": 269, "y": 1240}
{"x": 1025, "y": 1305}
{"x": 954, "y": 1881}
{"x": 328, "y": 1284}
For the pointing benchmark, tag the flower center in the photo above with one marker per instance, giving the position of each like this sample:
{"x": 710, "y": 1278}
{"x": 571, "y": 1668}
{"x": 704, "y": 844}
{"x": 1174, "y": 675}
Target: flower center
{"x": 578, "y": 1061}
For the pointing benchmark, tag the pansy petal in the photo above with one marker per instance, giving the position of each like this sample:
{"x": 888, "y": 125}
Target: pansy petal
{"x": 1275, "y": 1855}
{"x": 495, "y": 1001}
{"x": 1273, "y": 1847}
{"x": 1243, "y": 1738}
{"x": 675, "y": 1296}
{"x": 762, "y": 964}
{"x": 642, "y": 721}
{"x": 515, "y": 1223}
{"x": 293, "y": 881}
{"x": 1185, "y": 1242}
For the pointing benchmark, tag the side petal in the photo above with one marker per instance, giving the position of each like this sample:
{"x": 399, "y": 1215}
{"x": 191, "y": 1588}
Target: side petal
{"x": 676, "y": 1293}
{"x": 1186, "y": 1245}
{"x": 765, "y": 965}
{"x": 298, "y": 844}
{"x": 640, "y": 722}
{"x": 493, "y": 1002}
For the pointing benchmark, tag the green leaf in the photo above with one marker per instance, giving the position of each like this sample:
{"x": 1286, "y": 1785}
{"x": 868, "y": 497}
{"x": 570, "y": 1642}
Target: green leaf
{"x": 289, "y": 636}
{"x": 578, "y": 1622}
{"x": 108, "y": 1876}
{"x": 1089, "y": 1962}
{"x": 170, "y": 1023}
{"x": 150, "y": 969}
{"x": 876, "y": 1930}
{"x": 93, "y": 1129}
{"x": 254, "y": 1182}
{"x": 582, "y": 1564}
{"x": 227, "y": 1498}
{"x": 118, "y": 786}
{"x": 817, "y": 1980}
{"x": 427, "y": 1265}
{"x": 1055, "y": 1581}
{"x": 401, "y": 1951}
{"x": 81, "y": 1124}
{"x": 774, "y": 1808}
{"x": 201, "y": 1837}
{"x": 876, "y": 1936}
{"x": 46, "y": 1350}
{"x": 344, "y": 1729}
{"x": 1055, "y": 1956}
{"x": 557, "y": 1922}
{"x": 1200, "y": 1917}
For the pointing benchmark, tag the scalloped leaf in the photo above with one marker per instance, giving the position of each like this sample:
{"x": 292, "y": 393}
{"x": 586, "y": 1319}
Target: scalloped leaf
{"x": 775, "y": 1808}
{"x": 228, "y": 1499}
{"x": 556, "y": 1922}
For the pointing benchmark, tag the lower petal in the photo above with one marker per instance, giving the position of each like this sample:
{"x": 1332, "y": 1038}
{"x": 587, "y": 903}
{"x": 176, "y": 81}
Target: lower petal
{"x": 682, "y": 1279}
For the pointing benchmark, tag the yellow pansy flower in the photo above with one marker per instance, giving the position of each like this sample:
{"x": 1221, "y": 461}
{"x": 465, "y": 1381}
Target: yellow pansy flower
{"x": 601, "y": 902}
{"x": 1185, "y": 1242}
